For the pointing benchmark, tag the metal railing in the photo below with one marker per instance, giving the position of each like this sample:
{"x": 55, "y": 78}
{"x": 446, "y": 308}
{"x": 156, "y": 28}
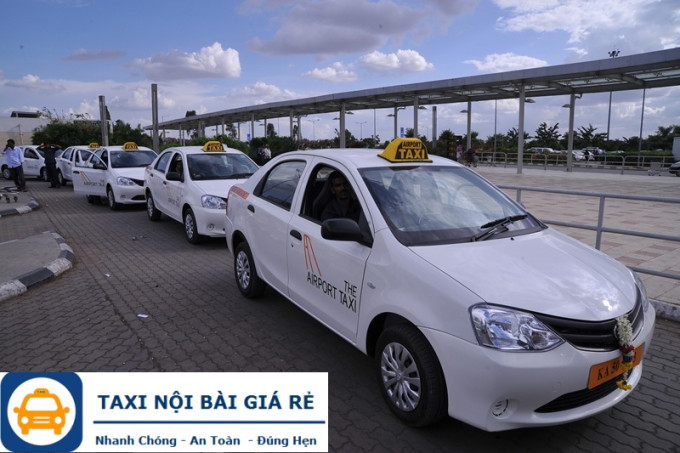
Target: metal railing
{"x": 559, "y": 159}
{"x": 600, "y": 228}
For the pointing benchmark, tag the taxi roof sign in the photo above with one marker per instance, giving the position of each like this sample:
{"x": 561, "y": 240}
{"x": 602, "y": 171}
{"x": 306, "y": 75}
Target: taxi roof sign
{"x": 406, "y": 150}
{"x": 93, "y": 145}
{"x": 213, "y": 145}
{"x": 129, "y": 146}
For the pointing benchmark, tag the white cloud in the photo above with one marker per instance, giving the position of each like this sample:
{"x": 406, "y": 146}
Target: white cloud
{"x": 506, "y": 62}
{"x": 32, "y": 82}
{"x": 209, "y": 62}
{"x": 100, "y": 54}
{"x": 259, "y": 93}
{"x": 334, "y": 73}
{"x": 335, "y": 27}
{"x": 402, "y": 61}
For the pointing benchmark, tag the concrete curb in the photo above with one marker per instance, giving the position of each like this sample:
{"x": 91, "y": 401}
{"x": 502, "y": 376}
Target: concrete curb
{"x": 23, "y": 208}
{"x": 23, "y": 282}
{"x": 666, "y": 310}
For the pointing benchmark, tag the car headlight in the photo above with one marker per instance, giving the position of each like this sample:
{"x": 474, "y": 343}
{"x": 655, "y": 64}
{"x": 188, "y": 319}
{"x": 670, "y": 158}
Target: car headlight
{"x": 213, "y": 202}
{"x": 511, "y": 330}
{"x": 641, "y": 288}
{"x": 124, "y": 181}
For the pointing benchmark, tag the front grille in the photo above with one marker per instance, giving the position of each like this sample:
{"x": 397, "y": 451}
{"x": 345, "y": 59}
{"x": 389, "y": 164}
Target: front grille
{"x": 579, "y": 398}
{"x": 593, "y": 336}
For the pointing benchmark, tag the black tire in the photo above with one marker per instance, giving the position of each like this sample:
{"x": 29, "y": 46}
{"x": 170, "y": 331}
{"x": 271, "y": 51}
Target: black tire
{"x": 90, "y": 198}
{"x": 5, "y": 173}
{"x": 60, "y": 178}
{"x": 43, "y": 174}
{"x": 151, "y": 211}
{"x": 247, "y": 280}
{"x": 190, "y": 228}
{"x": 410, "y": 376}
{"x": 111, "y": 199}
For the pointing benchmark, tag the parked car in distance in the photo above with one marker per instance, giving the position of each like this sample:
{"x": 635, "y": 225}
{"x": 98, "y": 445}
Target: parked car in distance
{"x": 469, "y": 305}
{"x": 34, "y": 163}
{"x": 114, "y": 172}
{"x": 190, "y": 184}
{"x": 675, "y": 169}
{"x": 543, "y": 150}
{"x": 73, "y": 156}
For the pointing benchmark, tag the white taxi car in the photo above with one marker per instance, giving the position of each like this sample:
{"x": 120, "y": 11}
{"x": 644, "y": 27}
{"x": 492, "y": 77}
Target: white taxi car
{"x": 470, "y": 305}
{"x": 190, "y": 184}
{"x": 71, "y": 157}
{"x": 114, "y": 172}
{"x": 34, "y": 163}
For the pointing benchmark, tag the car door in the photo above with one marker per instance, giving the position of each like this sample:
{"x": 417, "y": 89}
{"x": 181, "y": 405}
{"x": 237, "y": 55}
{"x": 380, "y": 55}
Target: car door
{"x": 89, "y": 177}
{"x": 31, "y": 162}
{"x": 172, "y": 192}
{"x": 267, "y": 219}
{"x": 63, "y": 164}
{"x": 155, "y": 180}
{"x": 325, "y": 277}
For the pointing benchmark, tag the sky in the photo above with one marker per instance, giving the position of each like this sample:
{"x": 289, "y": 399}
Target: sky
{"x": 212, "y": 55}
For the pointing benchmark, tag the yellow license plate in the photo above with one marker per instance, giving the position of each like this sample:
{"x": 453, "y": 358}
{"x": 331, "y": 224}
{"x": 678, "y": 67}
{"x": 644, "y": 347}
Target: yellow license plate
{"x": 605, "y": 371}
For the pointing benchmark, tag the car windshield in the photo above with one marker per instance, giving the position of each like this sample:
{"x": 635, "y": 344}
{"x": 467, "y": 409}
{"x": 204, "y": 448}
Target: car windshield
{"x": 125, "y": 159}
{"x": 207, "y": 166}
{"x": 429, "y": 205}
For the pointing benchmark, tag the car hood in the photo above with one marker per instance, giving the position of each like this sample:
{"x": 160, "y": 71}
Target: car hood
{"x": 131, "y": 172}
{"x": 545, "y": 272}
{"x": 218, "y": 187}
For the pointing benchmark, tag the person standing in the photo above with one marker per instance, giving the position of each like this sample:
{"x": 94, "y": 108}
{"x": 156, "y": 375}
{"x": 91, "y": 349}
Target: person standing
{"x": 15, "y": 160}
{"x": 51, "y": 164}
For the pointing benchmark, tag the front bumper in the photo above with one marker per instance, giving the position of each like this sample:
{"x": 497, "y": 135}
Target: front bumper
{"x": 129, "y": 194}
{"x": 209, "y": 222}
{"x": 497, "y": 391}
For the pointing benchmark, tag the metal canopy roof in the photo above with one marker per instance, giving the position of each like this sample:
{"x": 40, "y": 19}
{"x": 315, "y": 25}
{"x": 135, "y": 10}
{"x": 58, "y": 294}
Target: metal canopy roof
{"x": 633, "y": 72}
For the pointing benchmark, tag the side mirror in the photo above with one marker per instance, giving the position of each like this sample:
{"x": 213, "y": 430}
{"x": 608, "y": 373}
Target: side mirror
{"x": 343, "y": 230}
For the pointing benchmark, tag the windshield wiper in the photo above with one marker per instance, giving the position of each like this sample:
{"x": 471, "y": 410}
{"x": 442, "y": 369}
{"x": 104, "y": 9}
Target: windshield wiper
{"x": 495, "y": 226}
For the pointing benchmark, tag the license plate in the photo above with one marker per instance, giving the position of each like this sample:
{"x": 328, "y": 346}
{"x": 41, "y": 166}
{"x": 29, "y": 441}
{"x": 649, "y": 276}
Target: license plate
{"x": 605, "y": 371}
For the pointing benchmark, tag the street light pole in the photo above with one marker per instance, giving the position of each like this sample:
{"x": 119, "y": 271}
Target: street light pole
{"x": 314, "y": 121}
{"x": 361, "y": 124}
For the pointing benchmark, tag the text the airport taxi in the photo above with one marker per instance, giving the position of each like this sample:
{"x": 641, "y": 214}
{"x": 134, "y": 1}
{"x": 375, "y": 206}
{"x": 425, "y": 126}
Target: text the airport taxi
{"x": 114, "y": 172}
{"x": 190, "y": 183}
{"x": 469, "y": 305}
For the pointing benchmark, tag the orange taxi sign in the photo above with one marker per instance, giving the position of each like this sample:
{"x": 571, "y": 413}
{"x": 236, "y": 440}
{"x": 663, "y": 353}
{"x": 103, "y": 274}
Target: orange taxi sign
{"x": 213, "y": 145}
{"x": 93, "y": 145}
{"x": 406, "y": 150}
{"x": 130, "y": 146}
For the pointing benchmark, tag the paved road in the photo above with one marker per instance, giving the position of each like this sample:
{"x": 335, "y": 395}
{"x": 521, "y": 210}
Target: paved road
{"x": 88, "y": 320}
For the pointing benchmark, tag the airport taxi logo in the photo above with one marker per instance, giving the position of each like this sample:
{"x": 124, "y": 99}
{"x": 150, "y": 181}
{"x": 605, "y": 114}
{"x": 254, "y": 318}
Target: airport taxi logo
{"x": 41, "y": 412}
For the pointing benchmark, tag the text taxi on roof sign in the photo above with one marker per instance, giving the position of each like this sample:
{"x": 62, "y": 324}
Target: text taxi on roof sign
{"x": 189, "y": 183}
{"x": 114, "y": 172}
{"x": 469, "y": 305}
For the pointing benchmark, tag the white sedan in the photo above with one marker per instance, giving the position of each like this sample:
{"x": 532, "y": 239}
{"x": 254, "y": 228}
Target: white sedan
{"x": 190, "y": 184}
{"x": 73, "y": 156}
{"x": 469, "y": 305}
{"x": 114, "y": 172}
{"x": 34, "y": 163}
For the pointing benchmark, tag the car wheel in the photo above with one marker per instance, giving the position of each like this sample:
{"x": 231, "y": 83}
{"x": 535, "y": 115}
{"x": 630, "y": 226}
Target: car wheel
{"x": 5, "y": 173}
{"x": 111, "y": 198}
{"x": 151, "y": 211}
{"x": 247, "y": 280}
{"x": 190, "y": 228}
{"x": 60, "y": 178}
{"x": 43, "y": 174}
{"x": 410, "y": 377}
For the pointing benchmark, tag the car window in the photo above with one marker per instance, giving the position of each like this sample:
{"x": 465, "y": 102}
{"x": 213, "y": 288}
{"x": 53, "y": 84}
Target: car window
{"x": 281, "y": 182}
{"x": 128, "y": 159}
{"x": 427, "y": 205}
{"x": 208, "y": 166}
{"x": 30, "y": 154}
{"x": 162, "y": 163}
{"x": 67, "y": 154}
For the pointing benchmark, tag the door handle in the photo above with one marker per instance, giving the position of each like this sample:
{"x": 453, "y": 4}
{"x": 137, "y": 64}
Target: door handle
{"x": 296, "y": 234}
{"x": 251, "y": 208}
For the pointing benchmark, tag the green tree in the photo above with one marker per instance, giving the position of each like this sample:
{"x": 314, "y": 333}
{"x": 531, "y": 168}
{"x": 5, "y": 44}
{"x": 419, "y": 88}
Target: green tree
{"x": 547, "y": 137}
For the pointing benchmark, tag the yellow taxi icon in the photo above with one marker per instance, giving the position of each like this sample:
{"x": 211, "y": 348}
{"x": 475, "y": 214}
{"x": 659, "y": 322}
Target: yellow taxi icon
{"x": 41, "y": 410}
